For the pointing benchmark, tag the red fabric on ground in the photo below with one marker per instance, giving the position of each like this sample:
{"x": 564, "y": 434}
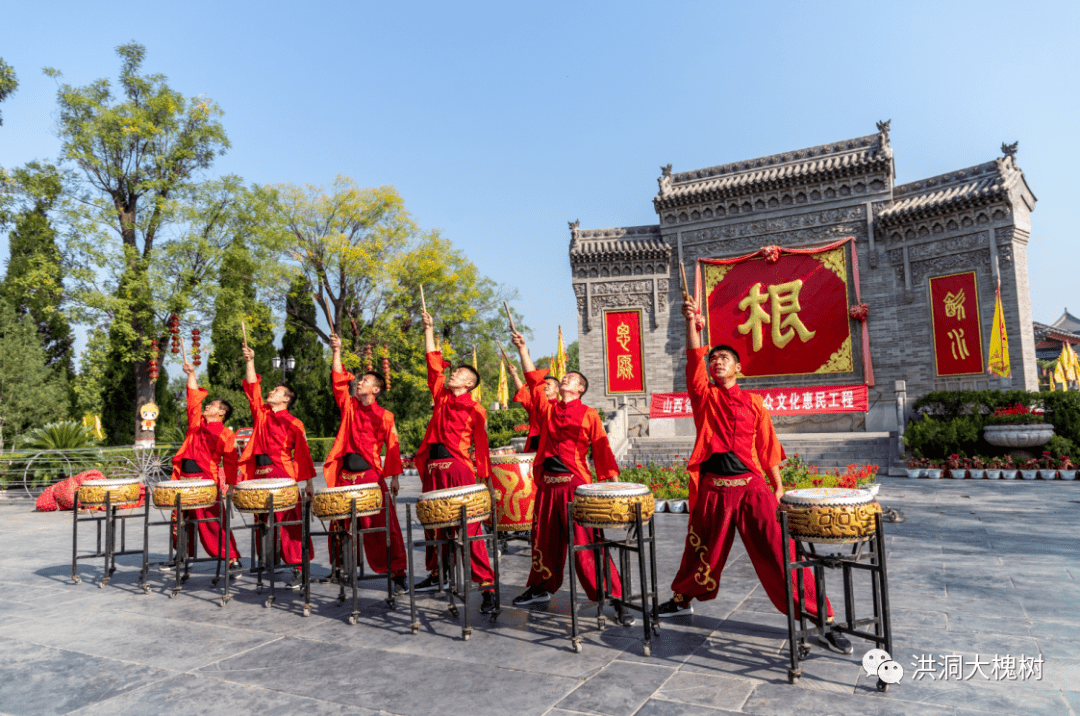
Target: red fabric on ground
{"x": 46, "y": 501}
{"x": 64, "y": 491}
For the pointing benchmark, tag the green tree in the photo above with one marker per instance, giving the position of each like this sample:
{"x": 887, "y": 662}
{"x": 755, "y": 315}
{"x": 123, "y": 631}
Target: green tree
{"x": 136, "y": 159}
{"x": 8, "y": 83}
{"x": 310, "y": 378}
{"x": 92, "y": 366}
{"x": 573, "y": 356}
{"x": 30, "y": 395}
{"x": 34, "y": 282}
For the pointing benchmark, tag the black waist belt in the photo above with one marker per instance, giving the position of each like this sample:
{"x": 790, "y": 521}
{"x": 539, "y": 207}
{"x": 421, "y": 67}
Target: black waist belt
{"x": 355, "y": 462}
{"x": 189, "y": 466}
{"x": 438, "y": 451}
{"x": 554, "y": 465}
{"x": 263, "y": 460}
{"x": 724, "y": 464}
{"x": 533, "y": 444}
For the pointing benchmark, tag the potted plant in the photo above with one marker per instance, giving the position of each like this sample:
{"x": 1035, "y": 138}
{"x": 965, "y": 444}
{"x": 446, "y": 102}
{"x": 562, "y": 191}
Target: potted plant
{"x": 1008, "y": 469}
{"x": 1029, "y": 469}
{"x": 1047, "y": 466}
{"x": 1066, "y": 470}
{"x": 978, "y": 467}
{"x": 914, "y": 467}
{"x": 993, "y": 470}
{"x": 1017, "y": 426}
{"x": 934, "y": 471}
{"x": 957, "y": 471}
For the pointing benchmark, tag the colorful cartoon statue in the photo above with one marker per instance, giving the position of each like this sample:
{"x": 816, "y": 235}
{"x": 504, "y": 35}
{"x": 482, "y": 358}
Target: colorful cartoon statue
{"x": 148, "y": 413}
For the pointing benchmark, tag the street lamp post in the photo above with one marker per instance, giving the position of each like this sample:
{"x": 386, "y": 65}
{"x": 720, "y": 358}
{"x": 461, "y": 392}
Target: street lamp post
{"x": 285, "y": 364}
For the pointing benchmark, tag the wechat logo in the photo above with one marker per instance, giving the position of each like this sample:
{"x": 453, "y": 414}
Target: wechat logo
{"x": 877, "y": 662}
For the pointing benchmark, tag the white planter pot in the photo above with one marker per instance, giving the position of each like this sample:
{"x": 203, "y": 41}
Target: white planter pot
{"x": 914, "y": 472}
{"x": 1067, "y": 474}
{"x": 958, "y": 474}
{"x": 677, "y": 506}
{"x": 1008, "y": 474}
{"x": 1018, "y": 436}
{"x": 1029, "y": 474}
{"x": 933, "y": 473}
{"x": 993, "y": 474}
{"x": 977, "y": 474}
{"x": 660, "y": 506}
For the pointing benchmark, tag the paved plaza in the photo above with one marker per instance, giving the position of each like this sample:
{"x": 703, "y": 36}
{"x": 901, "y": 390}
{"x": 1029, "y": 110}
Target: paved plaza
{"x": 981, "y": 571}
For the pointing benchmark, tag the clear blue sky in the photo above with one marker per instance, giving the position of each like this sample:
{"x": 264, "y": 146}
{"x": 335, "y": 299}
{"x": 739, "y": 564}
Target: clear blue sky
{"x": 499, "y": 122}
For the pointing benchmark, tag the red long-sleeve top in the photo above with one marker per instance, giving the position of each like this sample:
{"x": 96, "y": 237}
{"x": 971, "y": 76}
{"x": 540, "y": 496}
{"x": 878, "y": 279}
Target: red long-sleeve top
{"x": 277, "y": 434}
{"x": 567, "y": 431}
{"x": 457, "y": 422}
{"x": 524, "y": 397}
{"x": 365, "y": 429}
{"x": 727, "y": 420}
{"x": 208, "y": 443}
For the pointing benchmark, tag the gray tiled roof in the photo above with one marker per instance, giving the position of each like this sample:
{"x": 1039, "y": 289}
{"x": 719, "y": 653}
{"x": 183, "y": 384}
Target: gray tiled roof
{"x": 975, "y": 185}
{"x": 618, "y": 243}
{"x": 850, "y": 157}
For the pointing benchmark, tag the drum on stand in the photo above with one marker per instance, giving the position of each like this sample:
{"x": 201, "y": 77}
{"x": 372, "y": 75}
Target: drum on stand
{"x": 442, "y": 508}
{"x": 194, "y": 494}
{"x": 515, "y": 491}
{"x": 611, "y": 505}
{"x": 121, "y": 492}
{"x": 335, "y": 503}
{"x": 254, "y": 496}
{"x": 830, "y": 515}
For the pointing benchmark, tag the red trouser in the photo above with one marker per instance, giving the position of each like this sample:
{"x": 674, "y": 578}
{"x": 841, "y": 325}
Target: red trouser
{"x": 751, "y": 509}
{"x": 209, "y": 532}
{"x": 290, "y": 537}
{"x": 441, "y": 474}
{"x": 374, "y": 542}
{"x": 550, "y": 538}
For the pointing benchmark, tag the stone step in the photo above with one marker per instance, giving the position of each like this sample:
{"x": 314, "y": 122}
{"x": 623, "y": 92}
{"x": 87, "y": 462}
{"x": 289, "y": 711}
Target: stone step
{"x": 826, "y": 450}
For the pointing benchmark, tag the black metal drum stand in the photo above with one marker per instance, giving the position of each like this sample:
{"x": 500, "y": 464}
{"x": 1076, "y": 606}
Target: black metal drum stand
{"x": 351, "y": 556}
{"x": 264, "y": 546}
{"x": 635, "y": 542}
{"x": 179, "y": 555}
{"x": 455, "y": 558}
{"x": 108, "y": 518}
{"x": 867, "y": 555}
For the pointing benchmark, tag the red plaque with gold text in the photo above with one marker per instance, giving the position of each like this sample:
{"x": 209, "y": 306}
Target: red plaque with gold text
{"x": 954, "y": 311}
{"x": 623, "y": 352}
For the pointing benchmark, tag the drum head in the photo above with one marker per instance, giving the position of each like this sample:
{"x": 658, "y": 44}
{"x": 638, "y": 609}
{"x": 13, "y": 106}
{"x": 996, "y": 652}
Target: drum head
{"x": 611, "y": 489}
{"x": 269, "y": 483}
{"x": 451, "y": 492}
{"x": 349, "y": 489}
{"x": 827, "y": 496}
{"x": 186, "y": 484}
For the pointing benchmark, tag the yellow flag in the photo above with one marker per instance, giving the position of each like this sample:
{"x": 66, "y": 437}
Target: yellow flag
{"x": 476, "y": 393}
{"x": 504, "y": 390}
{"x": 1059, "y": 372}
{"x": 1050, "y": 375}
{"x": 1074, "y": 362}
{"x": 558, "y": 366}
{"x": 1065, "y": 363}
{"x": 998, "y": 364}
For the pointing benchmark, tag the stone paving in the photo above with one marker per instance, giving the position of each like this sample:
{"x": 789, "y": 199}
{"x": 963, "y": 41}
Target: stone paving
{"x": 980, "y": 569}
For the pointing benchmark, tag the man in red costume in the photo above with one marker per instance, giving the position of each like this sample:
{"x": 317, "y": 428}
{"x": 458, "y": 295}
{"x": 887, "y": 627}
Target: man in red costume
{"x": 457, "y": 422}
{"x": 736, "y": 447}
{"x": 355, "y": 459}
{"x": 278, "y": 449}
{"x": 568, "y": 428}
{"x": 207, "y": 444}
{"x": 524, "y": 397}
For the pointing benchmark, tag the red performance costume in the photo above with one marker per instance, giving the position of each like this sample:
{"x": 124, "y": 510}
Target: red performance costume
{"x": 456, "y": 423}
{"x": 205, "y": 445}
{"x": 732, "y": 421}
{"x": 278, "y": 449}
{"x": 364, "y": 430}
{"x": 567, "y": 431}
{"x": 524, "y": 397}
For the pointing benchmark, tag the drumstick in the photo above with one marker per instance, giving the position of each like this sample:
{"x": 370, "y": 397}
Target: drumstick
{"x": 423, "y": 303}
{"x": 329, "y": 313}
{"x": 682, "y": 275}
{"x": 509, "y": 317}
{"x": 183, "y": 351}
{"x": 242, "y": 328}
{"x": 503, "y": 352}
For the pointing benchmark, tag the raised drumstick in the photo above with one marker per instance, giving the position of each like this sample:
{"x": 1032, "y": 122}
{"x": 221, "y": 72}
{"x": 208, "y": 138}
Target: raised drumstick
{"x": 329, "y": 313}
{"x": 682, "y": 276}
{"x": 502, "y": 352}
{"x": 423, "y": 303}
{"x": 509, "y": 317}
{"x": 242, "y": 328}
{"x": 183, "y": 350}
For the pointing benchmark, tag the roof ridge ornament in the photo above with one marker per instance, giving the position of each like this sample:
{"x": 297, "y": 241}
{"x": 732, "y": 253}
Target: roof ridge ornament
{"x": 1009, "y": 150}
{"x": 883, "y": 133}
{"x": 664, "y": 180}
{"x": 574, "y": 226}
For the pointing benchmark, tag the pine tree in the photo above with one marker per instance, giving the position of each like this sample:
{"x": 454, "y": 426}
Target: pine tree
{"x": 310, "y": 378}
{"x": 30, "y": 396}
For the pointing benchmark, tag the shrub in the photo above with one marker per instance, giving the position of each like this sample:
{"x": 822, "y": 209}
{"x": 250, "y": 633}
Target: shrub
{"x": 67, "y": 435}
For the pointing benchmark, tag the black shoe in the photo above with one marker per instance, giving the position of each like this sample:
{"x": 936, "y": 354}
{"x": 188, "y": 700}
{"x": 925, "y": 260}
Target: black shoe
{"x": 532, "y": 595}
{"x": 488, "y": 605}
{"x": 335, "y": 577}
{"x": 400, "y": 586}
{"x": 622, "y": 612}
{"x": 834, "y": 641}
{"x": 671, "y": 608}
{"x": 430, "y": 584}
{"x": 297, "y": 580}
{"x": 168, "y": 566}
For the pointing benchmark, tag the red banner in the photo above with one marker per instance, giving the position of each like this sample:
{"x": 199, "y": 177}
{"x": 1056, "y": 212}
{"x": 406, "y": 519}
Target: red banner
{"x": 785, "y": 312}
{"x": 954, "y": 310}
{"x": 623, "y": 352}
{"x": 816, "y": 400}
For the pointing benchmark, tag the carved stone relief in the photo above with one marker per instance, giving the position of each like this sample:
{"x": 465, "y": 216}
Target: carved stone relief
{"x": 772, "y": 226}
{"x": 601, "y": 289}
{"x": 621, "y": 300}
{"x": 790, "y": 238}
{"x": 747, "y": 204}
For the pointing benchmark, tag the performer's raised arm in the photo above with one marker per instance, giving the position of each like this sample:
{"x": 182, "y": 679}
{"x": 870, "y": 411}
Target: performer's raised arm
{"x": 335, "y": 353}
{"x": 429, "y": 332}
{"x": 693, "y": 333}
{"x": 523, "y": 350}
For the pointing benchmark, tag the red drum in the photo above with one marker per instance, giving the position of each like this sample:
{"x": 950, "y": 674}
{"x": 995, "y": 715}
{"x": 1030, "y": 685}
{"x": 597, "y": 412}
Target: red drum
{"x": 515, "y": 491}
